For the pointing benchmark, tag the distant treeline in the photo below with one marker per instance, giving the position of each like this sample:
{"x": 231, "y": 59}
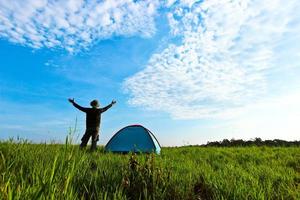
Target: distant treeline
{"x": 255, "y": 142}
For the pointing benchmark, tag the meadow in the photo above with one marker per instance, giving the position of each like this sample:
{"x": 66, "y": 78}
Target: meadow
{"x": 62, "y": 171}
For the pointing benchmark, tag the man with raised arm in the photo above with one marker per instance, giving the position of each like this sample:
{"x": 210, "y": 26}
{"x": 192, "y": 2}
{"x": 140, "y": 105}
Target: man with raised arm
{"x": 93, "y": 119}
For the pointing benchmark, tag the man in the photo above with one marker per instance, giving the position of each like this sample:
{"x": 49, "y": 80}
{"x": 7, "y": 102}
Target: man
{"x": 93, "y": 118}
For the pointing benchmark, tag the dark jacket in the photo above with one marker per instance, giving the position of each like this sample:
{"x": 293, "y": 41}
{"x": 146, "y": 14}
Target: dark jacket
{"x": 93, "y": 115}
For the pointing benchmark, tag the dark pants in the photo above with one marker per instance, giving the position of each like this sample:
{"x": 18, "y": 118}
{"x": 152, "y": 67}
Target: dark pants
{"x": 90, "y": 132}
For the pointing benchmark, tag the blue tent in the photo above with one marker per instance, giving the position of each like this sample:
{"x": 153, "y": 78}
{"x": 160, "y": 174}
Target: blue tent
{"x": 134, "y": 138}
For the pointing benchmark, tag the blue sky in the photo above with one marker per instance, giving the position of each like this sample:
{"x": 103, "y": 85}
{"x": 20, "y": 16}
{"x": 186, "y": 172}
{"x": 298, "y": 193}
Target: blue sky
{"x": 190, "y": 71}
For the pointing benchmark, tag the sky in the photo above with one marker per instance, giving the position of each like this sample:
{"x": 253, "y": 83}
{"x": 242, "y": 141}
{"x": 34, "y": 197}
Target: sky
{"x": 189, "y": 71}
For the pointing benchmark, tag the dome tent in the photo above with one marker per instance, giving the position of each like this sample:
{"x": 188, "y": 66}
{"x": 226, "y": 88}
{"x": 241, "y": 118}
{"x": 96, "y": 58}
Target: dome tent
{"x": 134, "y": 138}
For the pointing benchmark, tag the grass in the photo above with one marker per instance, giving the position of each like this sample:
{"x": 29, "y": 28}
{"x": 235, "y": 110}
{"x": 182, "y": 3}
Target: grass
{"x": 53, "y": 171}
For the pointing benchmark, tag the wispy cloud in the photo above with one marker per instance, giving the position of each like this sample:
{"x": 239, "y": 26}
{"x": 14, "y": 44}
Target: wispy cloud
{"x": 221, "y": 64}
{"x": 74, "y": 25}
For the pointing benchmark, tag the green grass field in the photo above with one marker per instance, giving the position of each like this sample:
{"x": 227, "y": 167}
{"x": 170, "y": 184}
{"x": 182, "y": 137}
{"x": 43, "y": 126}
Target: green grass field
{"x": 40, "y": 171}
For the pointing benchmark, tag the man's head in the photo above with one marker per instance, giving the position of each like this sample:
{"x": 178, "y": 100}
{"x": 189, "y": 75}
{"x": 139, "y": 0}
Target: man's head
{"x": 95, "y": 104}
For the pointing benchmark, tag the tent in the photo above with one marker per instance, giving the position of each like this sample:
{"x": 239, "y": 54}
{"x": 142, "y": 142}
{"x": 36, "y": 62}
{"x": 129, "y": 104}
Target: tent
{"x": 134, "y": 138}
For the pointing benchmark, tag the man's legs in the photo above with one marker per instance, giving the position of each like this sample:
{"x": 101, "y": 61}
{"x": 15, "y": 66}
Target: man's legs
{"x": 95, "y": 138}
{"x": 85, "y": 139}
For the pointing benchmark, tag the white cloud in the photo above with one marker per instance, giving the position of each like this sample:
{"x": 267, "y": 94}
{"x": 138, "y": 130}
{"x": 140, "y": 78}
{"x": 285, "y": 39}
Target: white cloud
{"x": 227, "y": 49}
{"x": 270, "y": 118}
{"x": 74, "y": 25}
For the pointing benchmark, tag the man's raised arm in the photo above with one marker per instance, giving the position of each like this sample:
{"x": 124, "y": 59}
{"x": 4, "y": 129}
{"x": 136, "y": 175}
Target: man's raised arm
{"x": 83, "y": 109}
{"x": 108, "y": 106}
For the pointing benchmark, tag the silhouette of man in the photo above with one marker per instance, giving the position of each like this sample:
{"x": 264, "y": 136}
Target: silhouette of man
{"x": 93, "y": 119}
